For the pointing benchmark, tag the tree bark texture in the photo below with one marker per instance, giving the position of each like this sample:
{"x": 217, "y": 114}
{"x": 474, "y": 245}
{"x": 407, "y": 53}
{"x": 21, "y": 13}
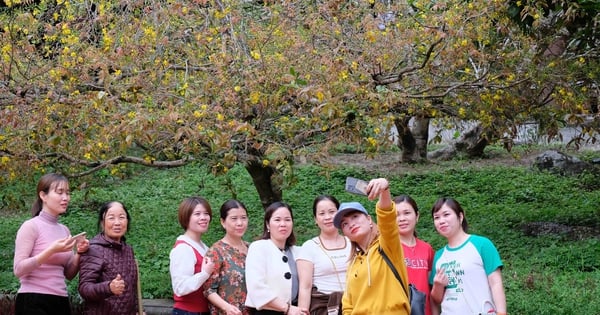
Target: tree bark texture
{"x": 412, "y": 140}
{"x": 262, "y": 177}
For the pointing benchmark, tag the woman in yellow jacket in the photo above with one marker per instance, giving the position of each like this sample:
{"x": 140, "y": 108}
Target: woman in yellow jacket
{"x": 371, "y": 287}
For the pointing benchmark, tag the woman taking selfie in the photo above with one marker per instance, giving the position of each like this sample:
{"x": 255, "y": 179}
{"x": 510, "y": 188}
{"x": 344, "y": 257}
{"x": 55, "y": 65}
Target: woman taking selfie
{"x": 372, "y": 286}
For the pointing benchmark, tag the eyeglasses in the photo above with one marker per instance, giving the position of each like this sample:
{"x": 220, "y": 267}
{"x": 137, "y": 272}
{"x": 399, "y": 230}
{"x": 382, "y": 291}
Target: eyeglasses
{"x": 285, "y": 259}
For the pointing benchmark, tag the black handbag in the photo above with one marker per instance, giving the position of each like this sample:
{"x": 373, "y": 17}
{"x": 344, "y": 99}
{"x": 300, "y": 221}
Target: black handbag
{"x": 416, "y": 297}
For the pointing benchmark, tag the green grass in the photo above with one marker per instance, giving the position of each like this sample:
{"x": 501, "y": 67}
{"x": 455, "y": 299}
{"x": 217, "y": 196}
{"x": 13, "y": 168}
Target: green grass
{"x": 549, "y": 274}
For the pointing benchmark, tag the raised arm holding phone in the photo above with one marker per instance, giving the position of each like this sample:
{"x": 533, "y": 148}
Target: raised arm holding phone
{"x": 371, "y": 287}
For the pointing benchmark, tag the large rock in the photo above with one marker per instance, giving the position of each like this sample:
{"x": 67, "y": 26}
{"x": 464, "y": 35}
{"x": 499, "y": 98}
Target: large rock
{"x": 561, "y": 163}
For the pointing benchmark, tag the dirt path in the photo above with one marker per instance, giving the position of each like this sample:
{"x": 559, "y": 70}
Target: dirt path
{"x": 391, "y": 162}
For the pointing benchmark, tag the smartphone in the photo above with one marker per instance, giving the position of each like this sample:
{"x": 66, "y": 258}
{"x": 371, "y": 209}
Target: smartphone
{"x": 356, "y": 186}
{"x": 79, "y": 236}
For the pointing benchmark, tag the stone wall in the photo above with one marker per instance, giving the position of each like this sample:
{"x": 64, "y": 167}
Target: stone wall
{"x": 151, "y": 306}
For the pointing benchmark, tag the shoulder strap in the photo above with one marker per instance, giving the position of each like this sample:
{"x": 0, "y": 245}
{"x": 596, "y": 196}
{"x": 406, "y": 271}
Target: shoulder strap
{"x": 389, "y": 263}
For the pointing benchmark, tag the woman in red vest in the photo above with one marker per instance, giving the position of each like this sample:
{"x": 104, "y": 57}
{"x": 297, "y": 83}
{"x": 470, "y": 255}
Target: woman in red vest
{"x": 188, "y": 267}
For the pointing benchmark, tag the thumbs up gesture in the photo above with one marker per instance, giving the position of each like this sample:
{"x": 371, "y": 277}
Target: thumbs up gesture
{"x": 117, "y": 285}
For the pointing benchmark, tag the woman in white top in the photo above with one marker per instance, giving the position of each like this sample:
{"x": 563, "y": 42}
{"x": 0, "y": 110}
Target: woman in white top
{"x": 323, "y": 261}
{"x": 271, "y": 274}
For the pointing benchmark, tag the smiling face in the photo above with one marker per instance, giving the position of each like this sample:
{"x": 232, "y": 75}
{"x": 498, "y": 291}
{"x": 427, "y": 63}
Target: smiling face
{"x": 324, "y": 212}
{"x": 199, "y": 220}
{"x": 236, "y": 222}
{"x": 280, "y": 225}
{"x": 56, "y": 200}
{"x": 115, "y": 222}
{"x": 447, "y": 222}
{"x": 406, "y": 217}
{"x": 356, "y": 225}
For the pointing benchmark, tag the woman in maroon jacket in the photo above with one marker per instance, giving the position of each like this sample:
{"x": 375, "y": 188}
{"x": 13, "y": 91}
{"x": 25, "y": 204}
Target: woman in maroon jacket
{"x": 108, "y": 272}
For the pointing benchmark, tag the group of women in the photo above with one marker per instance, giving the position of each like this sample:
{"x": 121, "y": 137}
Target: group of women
{"x": 363, "y": 270}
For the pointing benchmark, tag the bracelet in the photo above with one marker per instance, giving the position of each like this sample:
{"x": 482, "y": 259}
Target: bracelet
{"x": 287, "y": 309}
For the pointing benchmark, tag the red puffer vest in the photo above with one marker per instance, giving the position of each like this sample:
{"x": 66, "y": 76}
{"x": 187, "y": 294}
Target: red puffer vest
{"x": 195, "y": 301}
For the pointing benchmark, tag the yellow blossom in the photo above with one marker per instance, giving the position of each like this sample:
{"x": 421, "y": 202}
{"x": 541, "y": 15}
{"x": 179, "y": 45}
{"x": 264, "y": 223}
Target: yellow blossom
{"x": 254, "y": 97}
{"x": 255, "y": 54}
{"x": 372, "y": 141}
{"x": 344, "y": 75}
{"x": 265, "y": 163}
{"x": 320, "y": 96}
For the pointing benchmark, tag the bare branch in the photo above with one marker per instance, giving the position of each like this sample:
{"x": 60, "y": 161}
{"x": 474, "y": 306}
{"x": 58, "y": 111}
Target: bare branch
{"x": 98, "y": 165}
{"x": 381, "y": 79}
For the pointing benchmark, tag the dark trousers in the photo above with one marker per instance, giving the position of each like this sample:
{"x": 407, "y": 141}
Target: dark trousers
{"x": 42, "y": 304}
{"x": 254, "y": 311}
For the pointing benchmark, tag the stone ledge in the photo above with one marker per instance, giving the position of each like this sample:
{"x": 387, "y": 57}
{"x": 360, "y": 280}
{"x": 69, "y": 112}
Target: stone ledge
{"x": 158, "y": 306}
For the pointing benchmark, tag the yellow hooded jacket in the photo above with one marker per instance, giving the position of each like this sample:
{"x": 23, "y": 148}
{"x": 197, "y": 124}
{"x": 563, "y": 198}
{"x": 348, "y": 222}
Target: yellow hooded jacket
{"x": 371, "y": 287}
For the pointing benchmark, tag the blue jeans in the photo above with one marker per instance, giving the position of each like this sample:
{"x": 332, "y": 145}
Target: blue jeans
{"x": 177, "y": 311}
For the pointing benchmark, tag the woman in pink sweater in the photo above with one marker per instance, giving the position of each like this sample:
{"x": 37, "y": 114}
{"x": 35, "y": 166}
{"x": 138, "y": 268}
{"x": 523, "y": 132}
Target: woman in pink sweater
{"x": 44, "y": 255}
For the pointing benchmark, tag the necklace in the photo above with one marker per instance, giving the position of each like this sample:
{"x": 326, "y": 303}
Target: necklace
{"x": 336, "y": 243}
{"x": 321, "y": 245}
{"x": 412, "y": 242}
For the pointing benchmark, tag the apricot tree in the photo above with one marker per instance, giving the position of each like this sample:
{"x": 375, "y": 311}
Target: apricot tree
{"x": 96, "y": 85}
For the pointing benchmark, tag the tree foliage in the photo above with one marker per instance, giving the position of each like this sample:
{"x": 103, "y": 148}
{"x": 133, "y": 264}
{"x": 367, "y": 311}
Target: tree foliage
{"x": 92, "y": 85}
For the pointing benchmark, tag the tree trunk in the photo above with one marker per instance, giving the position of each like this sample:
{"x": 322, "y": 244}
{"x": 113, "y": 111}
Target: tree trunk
{"x": 472, "y": 143}
{"x": 264, "y": 179}
{"x": 413, "y": 140}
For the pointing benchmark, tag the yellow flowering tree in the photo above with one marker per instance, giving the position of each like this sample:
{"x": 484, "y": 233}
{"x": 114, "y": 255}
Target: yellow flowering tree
{"x": 86, "y": 86}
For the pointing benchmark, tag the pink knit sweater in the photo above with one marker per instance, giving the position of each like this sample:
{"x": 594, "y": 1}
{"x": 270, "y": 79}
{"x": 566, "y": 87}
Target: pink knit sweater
{"x": 35, "y": 235}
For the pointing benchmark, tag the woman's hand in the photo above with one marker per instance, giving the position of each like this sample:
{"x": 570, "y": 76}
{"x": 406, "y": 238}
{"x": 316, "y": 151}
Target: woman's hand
{"x": 117, "y": 285}
{"x": 232, "y": 310}
{"x": 440, "y": 278}
{"x": 295, "y": 310}
{"x": 440, "y": 281}
{"x": 207, "y": 265}
{"x": 376, "y": 187}
{"x": 62, "y": 245}
{"x": 83, "y": 245}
